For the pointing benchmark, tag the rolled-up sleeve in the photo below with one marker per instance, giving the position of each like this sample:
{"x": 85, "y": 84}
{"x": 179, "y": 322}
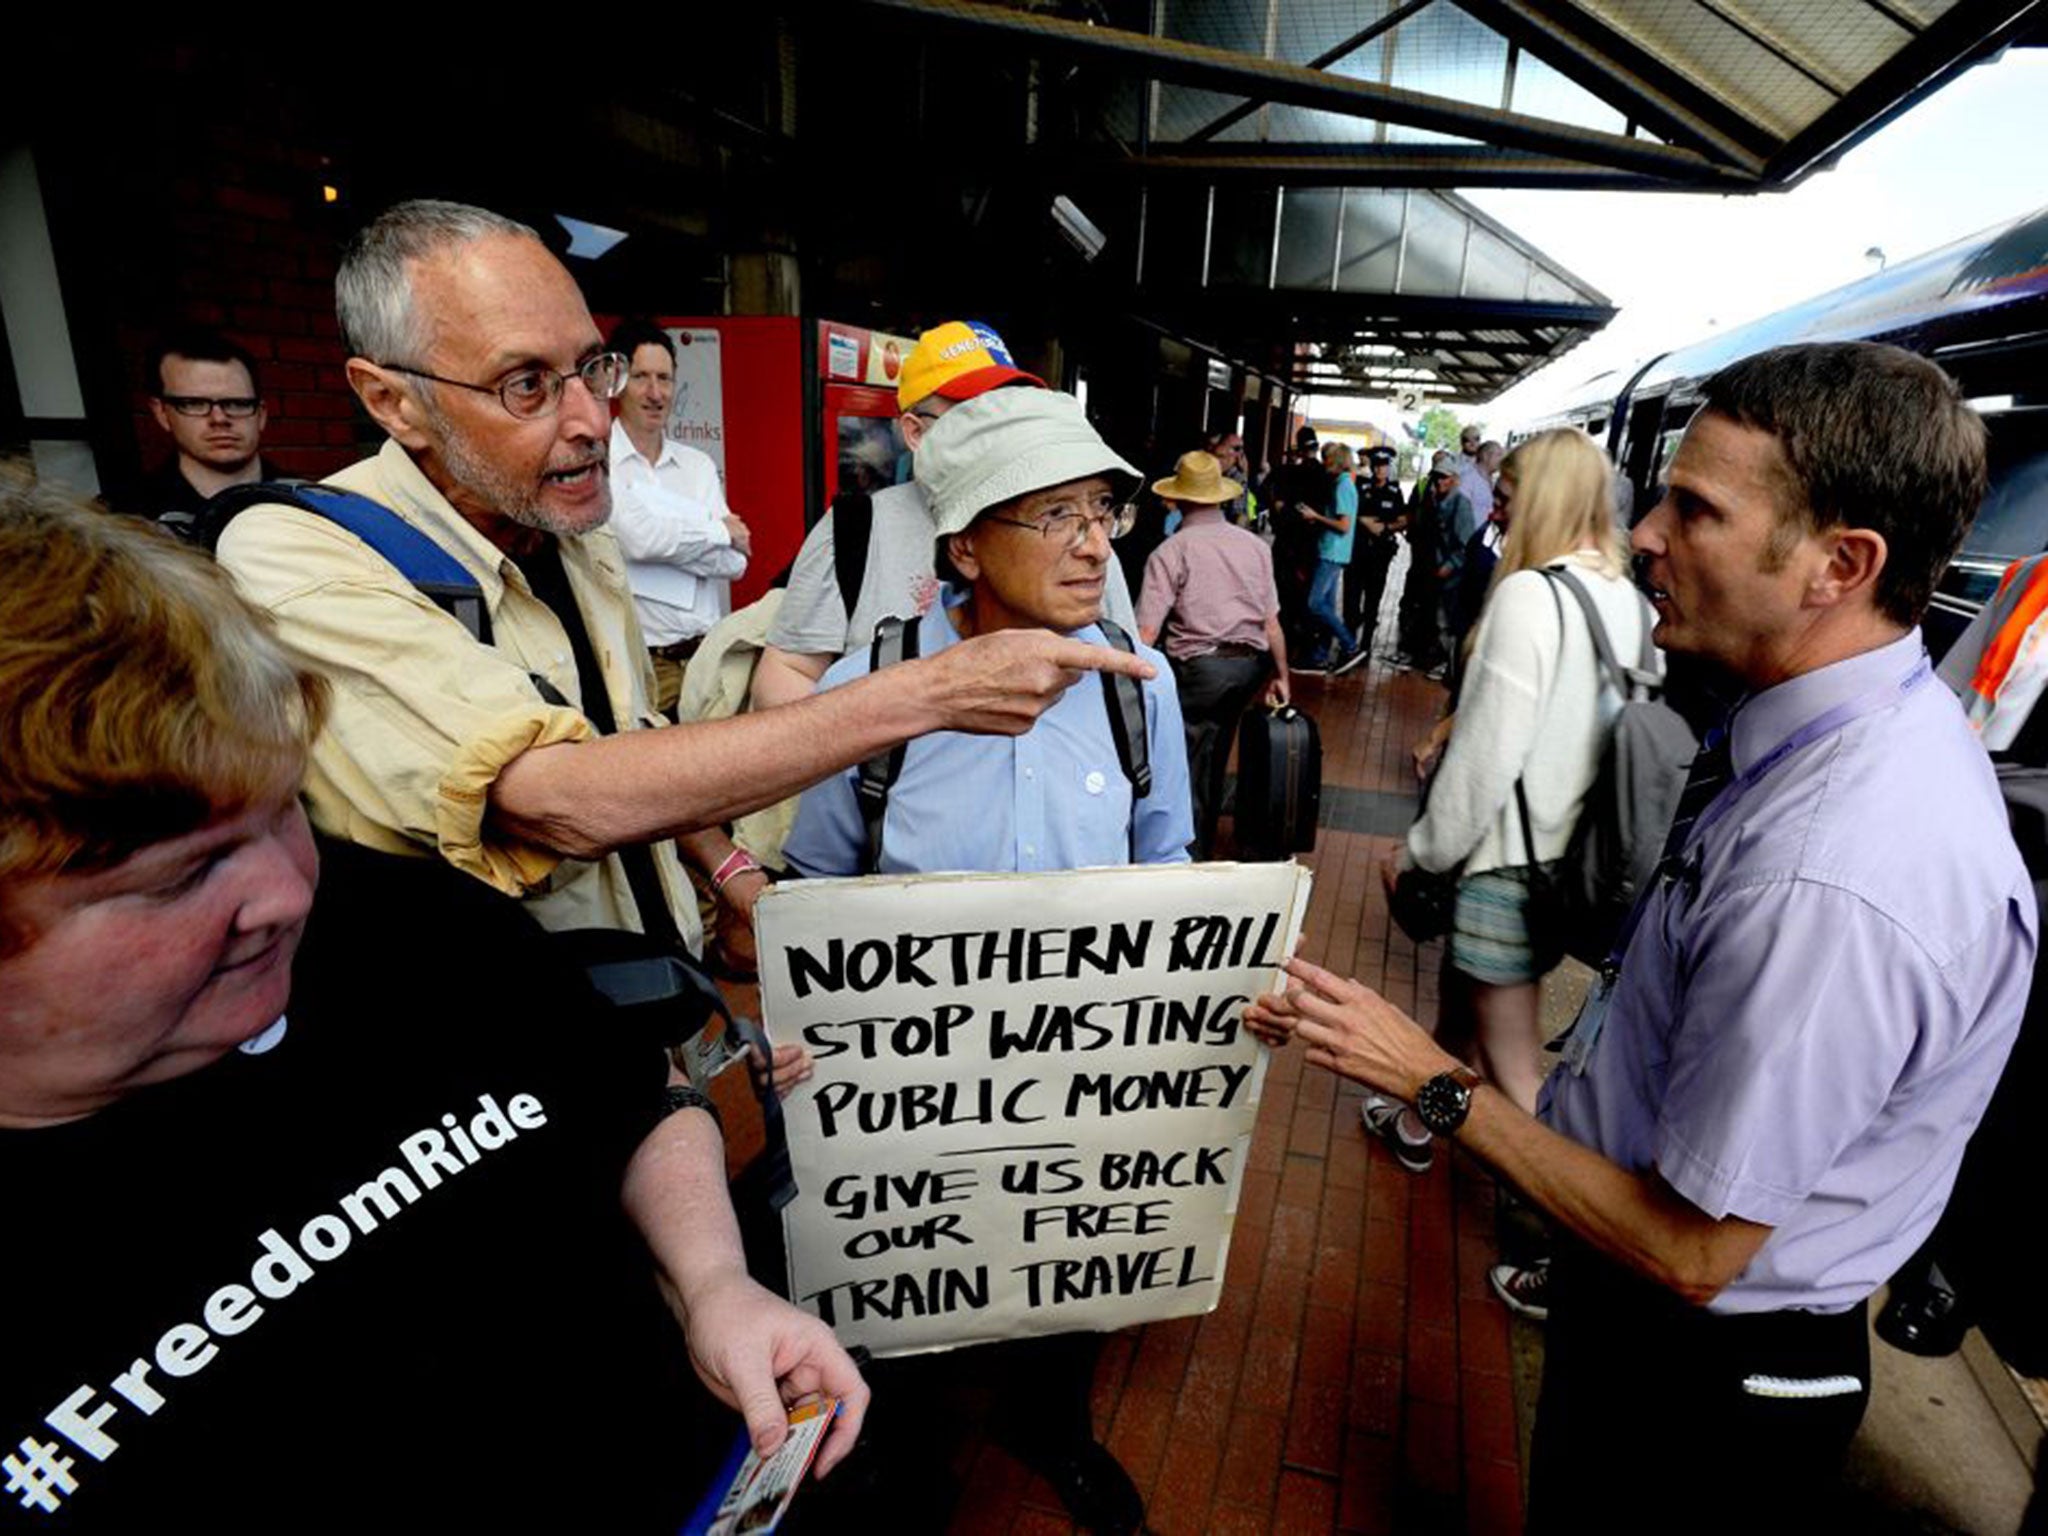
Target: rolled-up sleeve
{"x": 422, "y": 719}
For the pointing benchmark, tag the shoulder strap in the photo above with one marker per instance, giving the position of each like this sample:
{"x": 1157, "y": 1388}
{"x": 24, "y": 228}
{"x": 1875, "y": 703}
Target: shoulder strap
{"x": 437, "y": 575}
{"x": 853, "y": 522}
{"x": 1124, "y": 699}
{"x": 1603, "y": 649}
{"x": 895, "y": 640}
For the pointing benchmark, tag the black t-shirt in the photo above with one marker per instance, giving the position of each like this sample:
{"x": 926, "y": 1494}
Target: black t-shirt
{"x": 376, "y": 1276}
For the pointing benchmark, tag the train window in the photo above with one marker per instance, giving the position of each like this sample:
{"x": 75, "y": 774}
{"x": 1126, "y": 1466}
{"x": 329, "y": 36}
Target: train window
{"x": 2014, "y": 518}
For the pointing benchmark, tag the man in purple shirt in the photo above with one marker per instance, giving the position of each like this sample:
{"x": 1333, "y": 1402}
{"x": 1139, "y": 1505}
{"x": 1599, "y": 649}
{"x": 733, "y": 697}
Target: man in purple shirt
{"x": 1210, "y": 589}
{"x": 1761, "y": 1108}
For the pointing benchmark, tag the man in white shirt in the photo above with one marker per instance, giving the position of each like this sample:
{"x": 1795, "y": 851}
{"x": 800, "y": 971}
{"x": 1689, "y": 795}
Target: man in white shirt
{"x": 683, "y": 545}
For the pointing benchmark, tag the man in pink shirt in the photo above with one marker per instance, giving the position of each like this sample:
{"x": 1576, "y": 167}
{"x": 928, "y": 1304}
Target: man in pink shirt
{"x": 1210, "y": 588}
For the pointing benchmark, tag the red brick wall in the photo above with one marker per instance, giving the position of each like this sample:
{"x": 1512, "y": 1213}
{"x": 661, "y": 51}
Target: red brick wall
{"x": 244, "y": 256}
{"x": 204, "y": 206}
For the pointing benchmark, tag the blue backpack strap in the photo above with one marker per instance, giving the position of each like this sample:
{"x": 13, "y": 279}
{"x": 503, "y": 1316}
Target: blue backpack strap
{"x": 433, "y": 572}
{"x": 895, "y": 640}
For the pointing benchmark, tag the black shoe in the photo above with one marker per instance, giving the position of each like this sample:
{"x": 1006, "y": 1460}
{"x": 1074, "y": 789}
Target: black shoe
{"x": 1097, "y": 1491}
{"x": 1924, "y": 1317}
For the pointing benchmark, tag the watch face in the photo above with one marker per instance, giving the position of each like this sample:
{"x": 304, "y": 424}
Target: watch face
{"x": 1442, "y": 1103}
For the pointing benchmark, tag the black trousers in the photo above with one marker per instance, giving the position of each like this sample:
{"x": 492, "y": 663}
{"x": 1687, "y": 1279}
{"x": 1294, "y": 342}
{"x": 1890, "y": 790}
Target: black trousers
{"x": 1365, "y": 583}
{"x": 1645, "y": 1422}
{"x": 1215, "y": 691}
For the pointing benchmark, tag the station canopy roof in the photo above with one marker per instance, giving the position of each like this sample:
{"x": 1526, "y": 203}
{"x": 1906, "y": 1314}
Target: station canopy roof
{"x": 1291, "y": 160}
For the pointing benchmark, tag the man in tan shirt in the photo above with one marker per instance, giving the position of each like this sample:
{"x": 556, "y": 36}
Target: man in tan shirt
{"x": 471, "y": 346}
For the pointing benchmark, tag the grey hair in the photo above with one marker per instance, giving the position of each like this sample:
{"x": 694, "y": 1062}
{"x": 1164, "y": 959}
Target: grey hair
{"x": 373, "y": 286}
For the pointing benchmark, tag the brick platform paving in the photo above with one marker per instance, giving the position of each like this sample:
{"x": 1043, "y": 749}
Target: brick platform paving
{"x": 1356, "y": 1376}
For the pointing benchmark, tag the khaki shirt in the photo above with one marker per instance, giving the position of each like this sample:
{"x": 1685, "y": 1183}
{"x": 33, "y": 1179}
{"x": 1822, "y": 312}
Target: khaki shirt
{"x": 424, "y": 718}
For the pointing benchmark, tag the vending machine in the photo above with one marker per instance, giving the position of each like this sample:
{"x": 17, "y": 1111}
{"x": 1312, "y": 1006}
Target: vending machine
{"x": 858, "y": 369}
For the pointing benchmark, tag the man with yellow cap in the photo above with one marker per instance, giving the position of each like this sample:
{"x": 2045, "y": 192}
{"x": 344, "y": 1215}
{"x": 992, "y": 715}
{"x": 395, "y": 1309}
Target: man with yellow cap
{"x": 958, "y": 361}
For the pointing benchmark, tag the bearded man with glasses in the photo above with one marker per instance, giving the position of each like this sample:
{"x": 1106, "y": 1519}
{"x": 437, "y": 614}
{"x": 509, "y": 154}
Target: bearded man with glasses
{"x": 536, "y": 762}
{"x": 206, "y": 399}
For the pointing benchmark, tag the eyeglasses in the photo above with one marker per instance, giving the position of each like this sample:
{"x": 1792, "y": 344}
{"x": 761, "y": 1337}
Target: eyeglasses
{"x": 530, "y": 393}
{"x": 234, "y": 407}
{"x": 1071, "y": 523}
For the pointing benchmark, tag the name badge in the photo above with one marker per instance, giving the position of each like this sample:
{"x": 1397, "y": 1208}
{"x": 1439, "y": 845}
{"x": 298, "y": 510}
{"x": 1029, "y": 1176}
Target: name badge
{"x": 1584, "y": 1034}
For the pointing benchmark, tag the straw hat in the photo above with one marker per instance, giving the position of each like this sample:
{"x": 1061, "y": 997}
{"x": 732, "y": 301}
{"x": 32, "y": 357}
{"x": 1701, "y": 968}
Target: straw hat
{"x": 1198, "y": 477}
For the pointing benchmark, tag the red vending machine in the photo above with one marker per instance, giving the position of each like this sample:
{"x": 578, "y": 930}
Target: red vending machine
{"x": 858, "y": 369}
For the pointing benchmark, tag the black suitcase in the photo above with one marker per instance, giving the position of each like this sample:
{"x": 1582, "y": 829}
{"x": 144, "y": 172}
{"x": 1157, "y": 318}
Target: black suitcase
{"x": 1279, "y": 783}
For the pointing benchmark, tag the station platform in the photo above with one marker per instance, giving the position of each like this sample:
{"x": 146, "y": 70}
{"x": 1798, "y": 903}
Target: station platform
{"x": 1358, "y": 1375}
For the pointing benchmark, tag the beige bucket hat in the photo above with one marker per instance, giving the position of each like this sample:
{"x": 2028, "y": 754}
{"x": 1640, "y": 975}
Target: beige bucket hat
{"x": 1005, "y": 444}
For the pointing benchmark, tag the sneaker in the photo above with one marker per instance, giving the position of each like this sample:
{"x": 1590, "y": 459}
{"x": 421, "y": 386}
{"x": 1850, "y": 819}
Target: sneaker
{"x": 1382, "y": 1117}
{"x": 1525, "y": 1288}
{"x": 1310, "y": 668}
{"x": 1356, "y": 657}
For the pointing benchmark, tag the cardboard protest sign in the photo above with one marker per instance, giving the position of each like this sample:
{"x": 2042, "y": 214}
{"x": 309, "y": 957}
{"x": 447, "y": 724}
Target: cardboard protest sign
{"x": 1033, "y": 1094}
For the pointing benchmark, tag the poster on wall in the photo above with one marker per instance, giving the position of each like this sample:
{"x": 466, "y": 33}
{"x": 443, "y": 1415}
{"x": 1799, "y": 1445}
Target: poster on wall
{"x": 697, "y": 417}
{"x": 1032, "y": 1095}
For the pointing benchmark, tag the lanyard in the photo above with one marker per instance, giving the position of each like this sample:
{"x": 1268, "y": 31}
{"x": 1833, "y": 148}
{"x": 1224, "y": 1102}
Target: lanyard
{"x": 1812, "y": 731}
{"x": 1577, "y": 1043}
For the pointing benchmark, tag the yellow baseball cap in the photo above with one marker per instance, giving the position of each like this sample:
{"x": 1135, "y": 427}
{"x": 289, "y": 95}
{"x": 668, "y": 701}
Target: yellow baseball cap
{"x": 959, "y": 360}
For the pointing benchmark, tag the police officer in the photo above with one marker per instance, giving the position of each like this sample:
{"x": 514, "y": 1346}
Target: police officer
{"x": 1381, "y": 517}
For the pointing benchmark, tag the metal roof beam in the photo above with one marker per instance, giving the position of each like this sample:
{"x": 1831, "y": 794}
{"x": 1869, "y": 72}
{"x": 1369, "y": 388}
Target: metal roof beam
{"x": 1323, "y": 60}
{"x": 1649, "y": 91}
{"x": 1782, "y": 52}
{"x": 1390, "y": 165}
{"x": 1240, "y": 74}
{"x": 1968, "y": 31}
{"x": 1895, "y": 16}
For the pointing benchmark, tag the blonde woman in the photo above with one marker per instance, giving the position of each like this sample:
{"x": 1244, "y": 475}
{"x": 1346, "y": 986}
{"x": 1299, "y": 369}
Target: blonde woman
{"x": 1531, "y": 708}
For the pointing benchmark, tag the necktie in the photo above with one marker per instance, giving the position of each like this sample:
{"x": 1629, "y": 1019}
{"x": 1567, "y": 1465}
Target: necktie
{"x": 1712, "y": 767}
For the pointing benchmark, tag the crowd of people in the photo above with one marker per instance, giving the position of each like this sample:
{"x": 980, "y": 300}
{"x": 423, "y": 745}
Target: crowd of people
{"x": 332, "y": 1144}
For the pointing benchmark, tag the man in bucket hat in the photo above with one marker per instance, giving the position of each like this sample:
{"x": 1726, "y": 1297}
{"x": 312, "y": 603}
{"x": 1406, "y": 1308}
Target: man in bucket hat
{"x": 1025, "y": 500}
{"x": 1210, "y": 589}
{"x": 952, "y": 363}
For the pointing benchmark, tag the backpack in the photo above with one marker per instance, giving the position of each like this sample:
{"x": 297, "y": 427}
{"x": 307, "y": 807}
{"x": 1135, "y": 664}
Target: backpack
{"x": 1122, "y": 696}
{"x": 1615, "y": 847}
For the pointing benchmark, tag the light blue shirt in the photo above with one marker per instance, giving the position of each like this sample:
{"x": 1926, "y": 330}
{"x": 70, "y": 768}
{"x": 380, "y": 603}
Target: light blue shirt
{"x": 1334, "y": 546}
{"x": 1810, "y": 1020}
{"x": 1053, "y": 798}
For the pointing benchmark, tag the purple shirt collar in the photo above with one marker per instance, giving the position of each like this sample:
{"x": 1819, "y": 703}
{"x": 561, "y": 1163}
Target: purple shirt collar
{"x": 1763, "y": 720}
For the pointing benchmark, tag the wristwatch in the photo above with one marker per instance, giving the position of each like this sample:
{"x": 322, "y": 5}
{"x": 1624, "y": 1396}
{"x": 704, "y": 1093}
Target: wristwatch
{"x": 1445, "y": 1100}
